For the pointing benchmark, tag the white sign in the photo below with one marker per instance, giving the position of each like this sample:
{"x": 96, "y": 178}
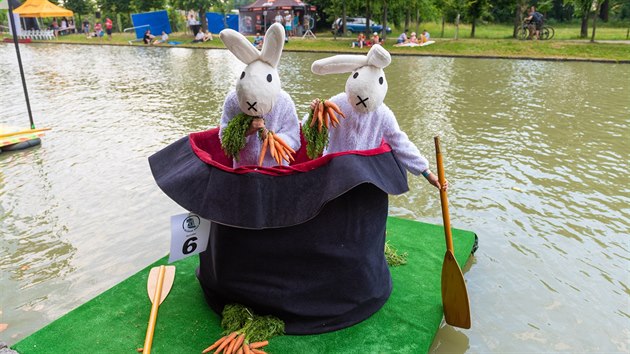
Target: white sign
{"x": 4, "y": 4}
{"x": 189, "y": 235}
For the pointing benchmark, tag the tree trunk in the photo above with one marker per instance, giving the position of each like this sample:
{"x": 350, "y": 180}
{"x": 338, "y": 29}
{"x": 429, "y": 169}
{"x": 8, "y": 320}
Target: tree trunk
{"x": 603, "y": 13}
{"x": 407, "y": 17}
{"x": 518, "y": 18}
{"x": 384, "y": 31}
{"x": 457, "y": 26}
{"x": 343, "y": 19}
{"x": 442, "y": 36}
{"x": 417, "y": 19}
{"x": 368, "y": 17}
{"x": 474, "y": 25}
{"x": 595, "y": 15}
{"x": 584, "y": 27}
{"x": 204, "y": 20}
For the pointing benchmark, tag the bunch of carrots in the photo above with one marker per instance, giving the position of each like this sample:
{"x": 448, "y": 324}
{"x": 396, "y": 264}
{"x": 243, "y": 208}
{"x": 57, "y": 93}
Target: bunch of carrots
{"x": 235, "y": 343}
{"x": 278, "y": 149}
{"x": 324, "y": 113}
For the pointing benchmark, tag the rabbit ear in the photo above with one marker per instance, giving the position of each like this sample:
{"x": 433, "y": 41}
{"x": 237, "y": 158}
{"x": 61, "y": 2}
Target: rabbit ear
{"x": 273, "y": 44}
{"x": 338, "y": 64}
{"x": 378, "y": 56}
{"x": 239, "y": 46}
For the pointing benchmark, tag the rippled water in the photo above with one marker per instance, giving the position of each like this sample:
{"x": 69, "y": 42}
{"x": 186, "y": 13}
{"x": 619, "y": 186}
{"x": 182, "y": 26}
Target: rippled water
{"x": 536, "y": 152}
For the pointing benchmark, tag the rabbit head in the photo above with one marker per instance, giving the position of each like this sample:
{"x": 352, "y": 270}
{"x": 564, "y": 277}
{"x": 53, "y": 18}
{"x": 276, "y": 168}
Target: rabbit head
{"x": 259, "y": 84}
{"x": 366, "y": 87}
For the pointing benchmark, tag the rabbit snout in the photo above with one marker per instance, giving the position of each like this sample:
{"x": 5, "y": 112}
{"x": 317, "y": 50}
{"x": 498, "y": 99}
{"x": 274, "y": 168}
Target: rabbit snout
{"x": 366, "y": 88}
{"x": 257, "y": 88}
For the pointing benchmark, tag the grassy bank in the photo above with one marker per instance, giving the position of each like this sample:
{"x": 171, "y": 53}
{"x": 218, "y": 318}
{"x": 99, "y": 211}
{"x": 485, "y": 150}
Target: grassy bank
{"x": 477, "y": 47}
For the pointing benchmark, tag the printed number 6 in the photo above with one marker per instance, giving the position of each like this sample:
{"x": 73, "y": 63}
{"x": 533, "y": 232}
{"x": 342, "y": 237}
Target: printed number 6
{"x": 189, "y": 245}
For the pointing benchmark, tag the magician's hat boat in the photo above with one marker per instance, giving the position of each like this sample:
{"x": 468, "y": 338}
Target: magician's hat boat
{"x": 303, "y": 242}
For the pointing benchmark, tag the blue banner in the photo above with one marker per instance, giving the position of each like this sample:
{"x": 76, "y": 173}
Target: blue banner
{"x": 156, "y": 21}
{"x": 215, "y": 22}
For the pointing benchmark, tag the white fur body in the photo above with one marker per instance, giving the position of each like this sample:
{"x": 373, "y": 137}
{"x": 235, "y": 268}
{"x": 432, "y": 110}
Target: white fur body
{"x": 363, "y": 131}
{"x": 282, "y": 120}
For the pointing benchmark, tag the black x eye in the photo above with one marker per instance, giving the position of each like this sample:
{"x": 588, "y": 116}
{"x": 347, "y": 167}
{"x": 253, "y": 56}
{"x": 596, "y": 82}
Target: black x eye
{"x": 242, "y": 75}
{"x": 380, "y": 80}
{"x": 269, "y": 77}
{"x": 355, "y": 75}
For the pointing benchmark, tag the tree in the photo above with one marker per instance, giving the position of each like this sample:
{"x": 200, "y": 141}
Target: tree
{"x": 148, "y": 5}
{"x": 224, "y": 7}
{"x": 476, "y": 9}
{"x": 520, "y": 7}
{"x": 79, "y": 7}
{"x": 583, "y": 8}
{"x": 201, "y": 6}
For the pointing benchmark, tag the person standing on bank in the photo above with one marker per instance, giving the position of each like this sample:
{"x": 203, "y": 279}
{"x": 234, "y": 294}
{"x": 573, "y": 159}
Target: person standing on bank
{"x": 108, "y": 28}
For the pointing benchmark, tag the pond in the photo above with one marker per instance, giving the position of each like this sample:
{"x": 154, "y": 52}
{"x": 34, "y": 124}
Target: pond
{"x": 536, "y": 153}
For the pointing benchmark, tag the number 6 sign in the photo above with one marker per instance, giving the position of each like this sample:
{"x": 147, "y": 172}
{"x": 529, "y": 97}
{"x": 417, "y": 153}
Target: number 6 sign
{"x": 189, "y": 235}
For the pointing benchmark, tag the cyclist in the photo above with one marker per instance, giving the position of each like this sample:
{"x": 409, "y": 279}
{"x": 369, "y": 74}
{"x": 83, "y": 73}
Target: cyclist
{"x": 535, "y": 21}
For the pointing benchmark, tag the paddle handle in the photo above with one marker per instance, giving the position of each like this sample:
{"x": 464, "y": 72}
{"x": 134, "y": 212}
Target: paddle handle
{"x": 148, "y": 339}
{"x": 443, "y": 196}
{"x": 6, "y": 135}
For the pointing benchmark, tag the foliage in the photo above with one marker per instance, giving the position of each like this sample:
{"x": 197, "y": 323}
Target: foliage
{"x": 148, "y": 5}
{"x": 393, "y": 258}
{"x": 81, "y": 7}
{"x": 316, "y": 141}
{"x": 257, "y": 328}
{"x": 233, "y": 136}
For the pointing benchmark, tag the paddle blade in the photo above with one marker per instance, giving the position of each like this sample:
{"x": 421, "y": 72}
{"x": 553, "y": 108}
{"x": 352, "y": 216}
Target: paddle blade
{"x": 454, "y": 293}
{"x": 169, "y": 277}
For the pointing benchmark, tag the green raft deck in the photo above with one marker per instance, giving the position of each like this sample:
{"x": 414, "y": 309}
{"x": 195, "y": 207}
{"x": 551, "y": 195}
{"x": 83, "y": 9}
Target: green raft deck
{"x": 116, "y": 320}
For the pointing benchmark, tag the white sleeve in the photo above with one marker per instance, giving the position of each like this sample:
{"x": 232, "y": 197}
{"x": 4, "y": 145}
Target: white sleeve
{"x": 406, "y": 152}
{"x": 289, "y": 128}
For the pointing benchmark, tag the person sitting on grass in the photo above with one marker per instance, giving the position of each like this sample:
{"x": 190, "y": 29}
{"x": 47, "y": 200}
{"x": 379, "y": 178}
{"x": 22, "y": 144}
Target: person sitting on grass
{"x": 375, "y": 40}
{"x": 199, "y": 37}
{"x": 402, "y": 39}
{"x": 424, "y": 36}
{"x": 148, "y": 37}
{"x": 360, "y": 41}
{"x": 413, "y": 38}
{"x": 258, "y": 41}
{"x": 207, "y": 36}
{"x": 163, "y": 39}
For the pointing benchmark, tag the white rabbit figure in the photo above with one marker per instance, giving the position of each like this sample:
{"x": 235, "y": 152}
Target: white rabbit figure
{"x": 258, "y": 93}
{"x": 368, "y": 119}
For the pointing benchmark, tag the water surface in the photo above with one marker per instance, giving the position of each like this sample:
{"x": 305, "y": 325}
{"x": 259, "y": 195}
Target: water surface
{"x": 536, "y": 153}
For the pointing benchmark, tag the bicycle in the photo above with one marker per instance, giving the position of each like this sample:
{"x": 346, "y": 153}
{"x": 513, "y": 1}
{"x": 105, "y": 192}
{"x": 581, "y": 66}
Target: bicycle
{"x": 546, "y": 32}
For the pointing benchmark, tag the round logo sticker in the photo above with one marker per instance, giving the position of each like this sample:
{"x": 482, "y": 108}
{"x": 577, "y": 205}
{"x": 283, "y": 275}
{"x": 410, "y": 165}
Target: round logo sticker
{"x": 191, "y": 223}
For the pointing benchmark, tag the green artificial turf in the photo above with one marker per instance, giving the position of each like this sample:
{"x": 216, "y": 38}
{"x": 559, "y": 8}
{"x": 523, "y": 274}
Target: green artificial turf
{"x": 115, "y": 321}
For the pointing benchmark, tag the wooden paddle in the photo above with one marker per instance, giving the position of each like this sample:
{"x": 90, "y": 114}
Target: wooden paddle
{"x": 158, "y": 286}
{"x": 454, "y": 293}
{"x": 28, "y": 131}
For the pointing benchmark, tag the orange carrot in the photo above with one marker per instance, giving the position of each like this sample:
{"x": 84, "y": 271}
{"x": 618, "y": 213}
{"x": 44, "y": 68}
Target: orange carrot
{"x": 263, "y": 150}
{"x": 246, "y": 349}
{"x": 331, "y": 114}
{"x": 240, "y": 351}
{"x": 257, "y": 351}
{"x": 314, "y": 119}
{"x": 257, "y": 345}
{"x": 320, "y": 116}
{"x": 226, "y": 342}
{"x": 140, "y": 350}
{"x": 230, "y": 347}
{"x": 216, "y": 344}
{"x": 239, "y": 341}
{"x": 335, "y": 108}
{"x": 272, "y": 146}
{"x": 286, "y": 146}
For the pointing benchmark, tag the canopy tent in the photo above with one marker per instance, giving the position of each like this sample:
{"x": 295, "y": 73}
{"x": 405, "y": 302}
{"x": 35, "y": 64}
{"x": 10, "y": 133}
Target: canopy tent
{"x": 42, "y": 8}
{"x": 259, "y": 15}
